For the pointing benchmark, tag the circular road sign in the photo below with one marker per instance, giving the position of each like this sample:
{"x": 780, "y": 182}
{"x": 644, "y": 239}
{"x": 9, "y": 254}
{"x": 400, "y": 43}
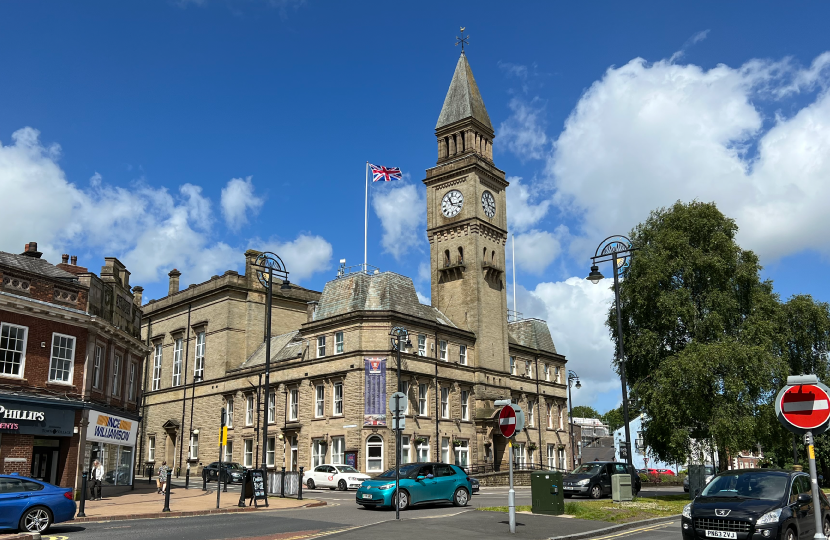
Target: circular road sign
{"x": 804, "y": 407}
{"x": 507, "y": 421}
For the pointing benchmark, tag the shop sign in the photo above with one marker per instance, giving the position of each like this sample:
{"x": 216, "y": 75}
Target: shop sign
{"x": 108, "y": 428}
{"x": 33, "y": 419}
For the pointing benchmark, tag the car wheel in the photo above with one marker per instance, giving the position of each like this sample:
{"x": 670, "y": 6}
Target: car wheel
{"x": 596, "y": 492}
{"x": 460, "y": 497}
{"x": 309, "y": 483}
{"x": 36, "y": 520}
{"x": 403, "y": 500}
{"x": 341, "y": 485}
{"x": 826, "y": 527}
{"x": 790, "y": 535}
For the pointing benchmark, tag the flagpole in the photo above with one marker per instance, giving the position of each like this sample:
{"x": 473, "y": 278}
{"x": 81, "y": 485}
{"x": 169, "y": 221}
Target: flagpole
{"x": 366, "y": 222}
{"x": 515, "y": 309}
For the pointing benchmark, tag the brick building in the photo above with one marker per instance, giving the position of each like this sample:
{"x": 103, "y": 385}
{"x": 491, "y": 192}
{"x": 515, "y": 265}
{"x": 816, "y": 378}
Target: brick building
{"x": 331, "y": 364}
{"x": 70, "y": 368}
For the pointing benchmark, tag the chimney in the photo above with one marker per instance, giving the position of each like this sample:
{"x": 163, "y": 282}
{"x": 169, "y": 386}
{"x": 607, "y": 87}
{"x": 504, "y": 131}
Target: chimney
{"x": 74, "y": 260}
{"x": 65, "y": 258}
{"x": 311, "y": 307}
{"x": 174, "y": 282}
{"x": 138, "y": 291}
{"x": 30, "y": 250}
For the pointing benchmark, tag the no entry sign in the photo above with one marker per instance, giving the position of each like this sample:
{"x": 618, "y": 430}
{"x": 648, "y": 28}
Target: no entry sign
{"x": 804, "y": 407}
{"x": 507, "y": 421}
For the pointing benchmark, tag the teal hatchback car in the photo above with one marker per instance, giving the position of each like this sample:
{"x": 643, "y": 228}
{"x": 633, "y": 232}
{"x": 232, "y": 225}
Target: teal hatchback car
{"x": 420, "y": 483}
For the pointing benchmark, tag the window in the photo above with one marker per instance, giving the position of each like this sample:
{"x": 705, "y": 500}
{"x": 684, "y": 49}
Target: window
{"x": 272, "y": 407}
{"x": 270, "y": 451}
{"x": 422, "y": 345}
{"x": 131, "y": 392}
{"x": 96, "y": 367}
{"x": 512, "y": 365}
{"x": 445, "y": 450}
{"x": 561, "y": 419}
{"x": 406, "y": 448}
{"x": 229, "y": 452}
{"x": 249, "y": 410}
{"x": 321, "y": 346}
{"x": 562, "y": 462}
{"x": 465, "y": 405}
{"x": 550, "y": 415}
{"x": 63, "y": 356}
{"x": 423, "y": 450}
{"x": 199, "y": 365}
{"x": 374, "y": 454}
{"x": 558, "y": 375}
{"x": 13, "y": 349}
{"x": 547, "y": 372}
{"x": 294, "y": 400}
{"x": 528, "y": 369}
{"x": 443, "y": 345}
{"x": 338, "y": 342}
{"x": 229, "y": 408}
{"x": 116, "y": 375}
{"x": 531, "y": 414}
{"x": 551, "y": 456}
{"x": 462, "y": 453}
{"x": 338, "y": 399}
{"x": 405, "y": 390}
{"x": 519, "y": 454}
{"x": 248, "y": 459}
{"x": 151, "y": 448}
{"x": 319, "y": 402}
{"x": 445, "y": 402}
{"x": 157, "y": 368}
{"x": 194, "y": 446}
{"x": 530, "y": 456}
{"x": 462, "y": 355}
{"x": 338, "y": 450}
{"x": 177, "y": 362}
{"x": 423, "y": 407}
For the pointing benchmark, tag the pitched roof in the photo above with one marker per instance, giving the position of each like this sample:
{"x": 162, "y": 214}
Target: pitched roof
{"x": 463, "y": 98}
{"x": 35, "y": 265}
{"x": 532, "y": 333}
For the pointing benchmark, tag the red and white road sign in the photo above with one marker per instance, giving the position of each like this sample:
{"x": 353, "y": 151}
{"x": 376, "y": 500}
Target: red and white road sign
{"x": 507, "y": 421}
{"x": 805, "y": 406}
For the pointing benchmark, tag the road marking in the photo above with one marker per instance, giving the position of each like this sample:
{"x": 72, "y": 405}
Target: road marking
{"x": 632, "y": 531}
{"x": 443, "y": 515}
{"x": 57, "y": 538}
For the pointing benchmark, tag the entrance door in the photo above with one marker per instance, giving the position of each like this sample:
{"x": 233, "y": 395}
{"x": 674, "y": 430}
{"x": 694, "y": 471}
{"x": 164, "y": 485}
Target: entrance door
{"x": 45, "y": 464}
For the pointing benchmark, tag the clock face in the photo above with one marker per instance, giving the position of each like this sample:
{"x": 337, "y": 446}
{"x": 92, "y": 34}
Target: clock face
{"x": 451, "y": 203}
{"x": 488, "y": 203}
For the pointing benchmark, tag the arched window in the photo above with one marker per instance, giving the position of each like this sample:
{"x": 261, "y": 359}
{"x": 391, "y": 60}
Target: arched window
{"x": 463, "y": 142}
{"x": 460, "y": 255}
{"x": 374, "y": 454}
{"x": 446, "y": 257}
{"x": 493, "y": 256}
{"x": 484, "y": 255}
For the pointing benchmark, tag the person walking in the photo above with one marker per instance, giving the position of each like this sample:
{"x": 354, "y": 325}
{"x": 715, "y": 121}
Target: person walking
{"x": 97, "y": 478}
{"x": 163, "y": 471}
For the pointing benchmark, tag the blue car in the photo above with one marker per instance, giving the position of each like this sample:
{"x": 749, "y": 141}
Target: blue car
{"x": 31, "y": 505}
{"x": 420, "y": 483}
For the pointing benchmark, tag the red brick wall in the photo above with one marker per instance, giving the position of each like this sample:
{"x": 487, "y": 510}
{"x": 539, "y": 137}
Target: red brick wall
{"x": 43, "y": 289}
{"x": 13, "y": 445}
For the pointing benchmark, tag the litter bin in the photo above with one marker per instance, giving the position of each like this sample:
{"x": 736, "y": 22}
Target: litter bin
{"x": 621, "y": 487}
{"x": 546, "y": 493}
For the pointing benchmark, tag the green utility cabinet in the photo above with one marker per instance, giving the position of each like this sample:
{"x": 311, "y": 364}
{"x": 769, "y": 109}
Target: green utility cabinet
{"x": 546, "y": 493}
{"x": 621, "y": 487}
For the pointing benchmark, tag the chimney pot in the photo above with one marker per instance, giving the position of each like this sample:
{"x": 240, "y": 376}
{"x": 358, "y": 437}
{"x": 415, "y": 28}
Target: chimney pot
{"x": 311, "y": 307}
{"x": 74, "y": 260}
{"x": 32, "y": 246}
{"x": 64, "y": 258}
{"x": 174, "y": 282}
{"x": 30, "y": 250}
{"x": 138, "y": 294}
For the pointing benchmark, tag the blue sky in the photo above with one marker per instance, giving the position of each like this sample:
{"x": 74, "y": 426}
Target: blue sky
{"x": 182, "y": 133}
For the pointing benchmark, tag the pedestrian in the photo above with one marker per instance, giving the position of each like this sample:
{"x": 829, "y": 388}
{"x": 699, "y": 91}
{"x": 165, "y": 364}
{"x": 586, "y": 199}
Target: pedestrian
{"x": 162, "y": 477}
{"x": 97, "y": 477}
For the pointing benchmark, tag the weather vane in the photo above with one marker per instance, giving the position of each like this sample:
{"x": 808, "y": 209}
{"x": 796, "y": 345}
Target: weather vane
{"x": 462, "y": 40}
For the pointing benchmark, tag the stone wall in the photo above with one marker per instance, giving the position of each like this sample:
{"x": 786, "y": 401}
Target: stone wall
{"x": 502, "y": 478}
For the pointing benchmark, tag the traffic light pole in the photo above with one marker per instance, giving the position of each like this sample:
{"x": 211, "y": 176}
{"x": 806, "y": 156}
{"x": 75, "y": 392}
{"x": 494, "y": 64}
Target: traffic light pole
{"x": 221, "y": 448}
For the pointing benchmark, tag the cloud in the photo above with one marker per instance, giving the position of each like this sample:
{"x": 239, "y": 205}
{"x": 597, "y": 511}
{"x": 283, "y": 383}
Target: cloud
{"x": 423, "y": 299}
{"x": 696, "y": 38}
{"x": 523, "y": 133}
{"x": 303, "y": 257}
{"x": 536, "y": 250}
{"x": 238, "y": 200}
{"x": 524, "y": 207}
{"x": 401, "y": 213}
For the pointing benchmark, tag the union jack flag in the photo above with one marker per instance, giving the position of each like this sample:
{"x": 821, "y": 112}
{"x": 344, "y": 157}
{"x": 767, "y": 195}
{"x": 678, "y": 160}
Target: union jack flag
{"x": 387, "y": 174}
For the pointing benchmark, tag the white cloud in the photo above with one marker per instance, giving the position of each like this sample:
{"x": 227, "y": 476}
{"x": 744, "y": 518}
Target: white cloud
{"x": 524, "y": 207}
{"x": 401, "y": 213}
{"x": 536, "y": 250}
{"x": 423, "y": 299}
{"x": 238, "y": 200}
{"x": 303, "y": 257}
{"x": 695, "y": 39}
{"x": 523, "y": 133}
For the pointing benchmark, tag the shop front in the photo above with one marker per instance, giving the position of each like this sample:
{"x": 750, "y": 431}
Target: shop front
{"x": 111, "y": 440}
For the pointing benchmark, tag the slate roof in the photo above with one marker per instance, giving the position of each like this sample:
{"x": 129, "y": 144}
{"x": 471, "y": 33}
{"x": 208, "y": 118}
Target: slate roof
{"x": 385, "y": 291}
{"x": 283, "y": 347}
{"x": 34, "y": 265}
{"x": 532, "y": 333}
{"x": 463, "y": 98}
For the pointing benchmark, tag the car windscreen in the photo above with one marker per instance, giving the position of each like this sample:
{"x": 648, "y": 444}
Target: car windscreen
{"x": 235, "y": 466}
{"x": 405, "y": 470}
{"x": 588, "y": 468}
{"x": 346, "y": 468}
{"x": 758, "y": 485}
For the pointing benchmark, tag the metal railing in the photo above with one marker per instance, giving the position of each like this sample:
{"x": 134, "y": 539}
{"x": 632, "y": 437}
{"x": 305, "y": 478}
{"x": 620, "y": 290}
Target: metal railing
{"x": 514, "y": 316}
{"x": 486, "y": 468}
{"x": 343, "y": 270}
{"x": 291, "y": 488}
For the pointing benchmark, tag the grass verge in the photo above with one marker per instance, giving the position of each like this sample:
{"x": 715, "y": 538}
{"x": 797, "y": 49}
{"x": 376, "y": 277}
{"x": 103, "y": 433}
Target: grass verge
{"x": 625, "y": 512}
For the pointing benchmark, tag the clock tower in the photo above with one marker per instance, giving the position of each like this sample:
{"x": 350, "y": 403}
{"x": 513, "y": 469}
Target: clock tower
{"x": 467, "y": 222}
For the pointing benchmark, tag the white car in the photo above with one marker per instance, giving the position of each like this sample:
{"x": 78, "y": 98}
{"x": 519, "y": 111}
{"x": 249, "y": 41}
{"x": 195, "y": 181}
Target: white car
{"x": 340, "y": 477}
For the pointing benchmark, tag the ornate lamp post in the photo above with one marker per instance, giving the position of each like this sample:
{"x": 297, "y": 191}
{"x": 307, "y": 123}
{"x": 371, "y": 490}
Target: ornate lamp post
{"x": 267, "y": 264}
{"x": 397, "y": 336}
{"x": 573, "y": 379}
{"x": 616, "y": 249}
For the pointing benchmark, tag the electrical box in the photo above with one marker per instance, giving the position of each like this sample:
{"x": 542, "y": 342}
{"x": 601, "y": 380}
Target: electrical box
{"x": 546, "y": 493}
{"x": 697, "y": 480}
{"x": 621, "y": 488}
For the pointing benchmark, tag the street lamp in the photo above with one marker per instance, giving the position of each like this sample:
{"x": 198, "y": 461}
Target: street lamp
{"x": 397, "y": 335}
{"x": 267, "y": 264}
{"x": 616, "y": 249}
{"x": 573, "y": 378}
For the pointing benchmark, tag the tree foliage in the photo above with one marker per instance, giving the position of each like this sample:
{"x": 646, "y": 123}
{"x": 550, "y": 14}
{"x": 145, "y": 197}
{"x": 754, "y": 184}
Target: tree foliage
{"x": 584, "y": 411}
{"x": 614, "y": 418}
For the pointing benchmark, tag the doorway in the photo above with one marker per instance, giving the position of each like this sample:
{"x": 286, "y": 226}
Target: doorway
{"x": 170, "y": 449}
{"x": 45, "y": 460}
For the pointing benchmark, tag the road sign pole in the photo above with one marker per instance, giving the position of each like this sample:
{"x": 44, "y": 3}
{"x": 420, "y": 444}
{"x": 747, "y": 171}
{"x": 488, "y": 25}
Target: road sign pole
{"x": 511, "y": 493}
{"x": 397, "y": 452}
{"x": 808, "y": 438}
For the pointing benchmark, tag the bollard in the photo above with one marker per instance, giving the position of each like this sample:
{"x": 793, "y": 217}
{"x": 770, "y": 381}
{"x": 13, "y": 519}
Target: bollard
{"x": 204, "y": 481}
{"x": 168, "y": 487}
{"x": 300, "y": 491}
{"x": 149, "y": 472}
{"x": 226, "y": 483}
{"x": 282, "y": 484}
{"x": 242, "y": 491}
{"x": 83, "y": 495}
{"x": 187, "y": 478}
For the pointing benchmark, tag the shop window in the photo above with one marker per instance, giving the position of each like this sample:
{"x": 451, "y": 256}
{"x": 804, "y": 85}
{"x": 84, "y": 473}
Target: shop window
{"x": 374, "y": 454}
{"x": 63, "y": 358}
{"x": 12, "y": 349}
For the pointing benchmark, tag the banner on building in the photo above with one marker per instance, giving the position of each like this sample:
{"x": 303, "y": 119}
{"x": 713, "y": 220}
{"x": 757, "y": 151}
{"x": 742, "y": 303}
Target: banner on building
{"x": 108, "y": 428}
{"x": 34, "y": 419}
{"x": 374, "y": 404}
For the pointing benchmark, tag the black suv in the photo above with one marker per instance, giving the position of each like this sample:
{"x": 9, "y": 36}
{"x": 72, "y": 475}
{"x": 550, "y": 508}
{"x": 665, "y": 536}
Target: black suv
{"x": 232, "y": 471}
{"x": 594, "y": 479}
{"x": 756, "y": 504}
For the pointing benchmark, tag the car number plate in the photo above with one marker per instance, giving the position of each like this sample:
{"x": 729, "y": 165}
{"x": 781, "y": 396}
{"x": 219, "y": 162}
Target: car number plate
{"x": 367, "y": 495}
{"x": 722, "y": 534}
{"x": 567, "y": 488}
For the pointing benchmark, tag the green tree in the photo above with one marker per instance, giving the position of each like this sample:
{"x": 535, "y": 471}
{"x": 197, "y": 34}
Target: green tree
{"x": 585, "y": 411}
{"x": 702, "y": 333}
{"x": 614, "y": 418}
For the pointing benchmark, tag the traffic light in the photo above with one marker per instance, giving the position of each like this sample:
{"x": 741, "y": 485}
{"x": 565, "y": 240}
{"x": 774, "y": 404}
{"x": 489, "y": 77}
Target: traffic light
{"x": 222, "y": 422}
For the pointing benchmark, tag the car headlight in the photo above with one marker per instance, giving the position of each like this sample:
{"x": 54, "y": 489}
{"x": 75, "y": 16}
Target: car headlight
{"x": 687, "y": 511}
{"x": 769, "y": 517}
{"x": 387, "y": 486}
{"x": 583, "y": 482}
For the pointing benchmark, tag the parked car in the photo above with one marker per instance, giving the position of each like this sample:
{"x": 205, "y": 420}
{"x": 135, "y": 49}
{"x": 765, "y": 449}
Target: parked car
{"x": 341, "y": 477}
{"x": 31, "y": 505}
{"x": 475, "y": 485}
{"x": 232, "y": 471}
{"x": 419, "y": 483}
{"x": 710, "y": 473}
{"x": 666, "y": 471}
{"x": 755, "y": 503}
{"x": 594, "y": 479}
